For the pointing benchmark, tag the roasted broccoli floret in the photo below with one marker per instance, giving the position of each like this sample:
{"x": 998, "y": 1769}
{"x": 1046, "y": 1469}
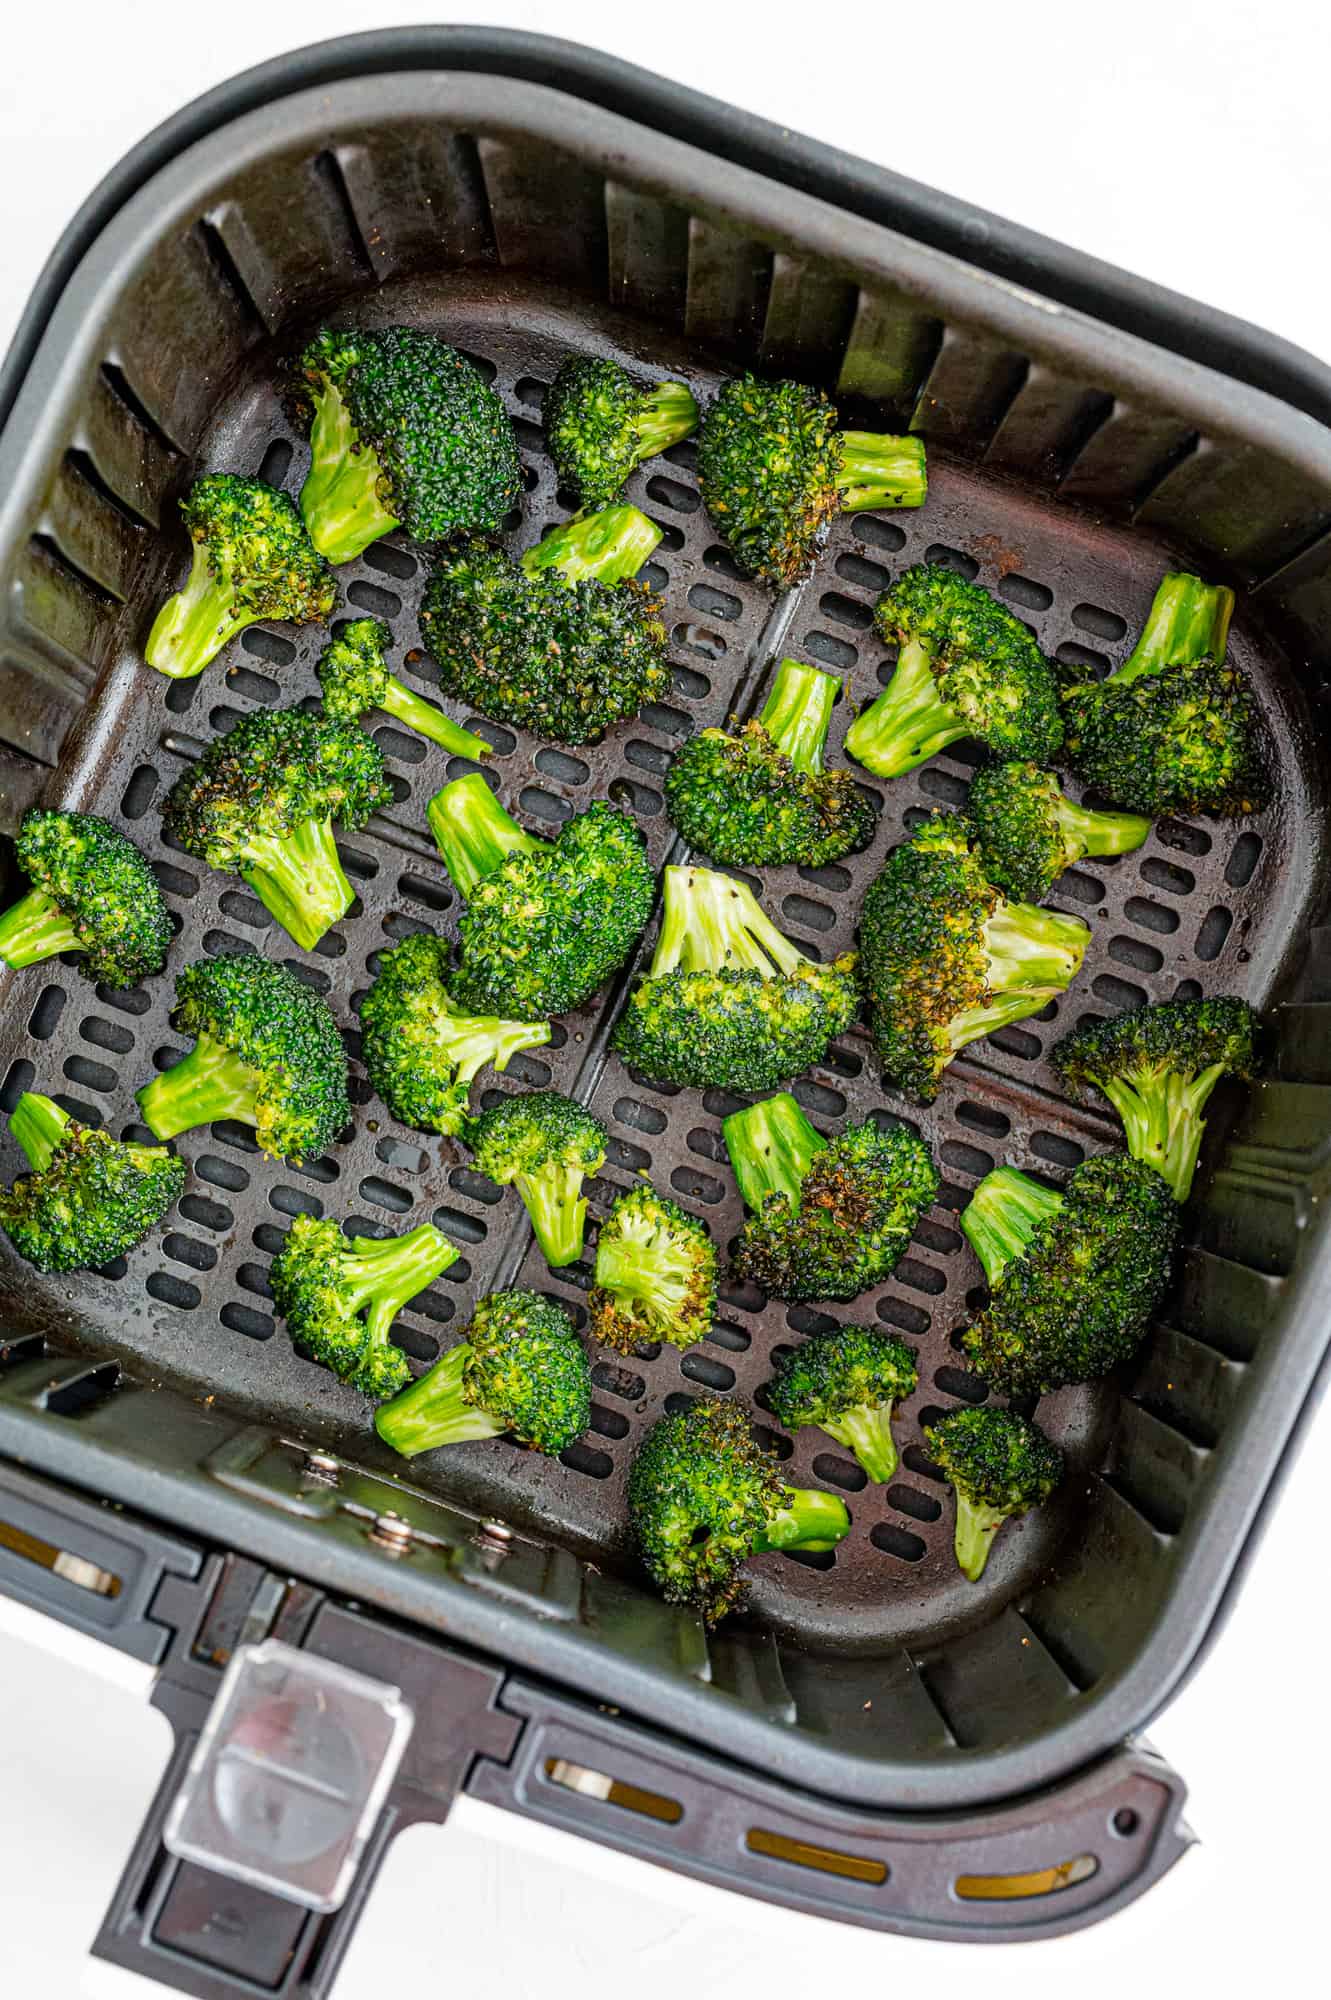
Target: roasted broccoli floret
{"x": 1028, "y": 833}
{"x": 421, "y": 1049}
{"x": 774, "y": 469}
{"x": 92, "y": 892}
{"x": 1158, "y": 1066}
{"x": 261, "y": 803}
{"x": 966, "y": 667}
{"x": 253, "y": 561}
{"x": 404, "y": 432}
{"x": 1074, "y": 1277}
{"x": 266, "y": 1052}
{"x": 761, "y": 795}
{"x": 545, "y": 1145}
{"x": 339, "y": 1296}
{"x": 655, "y": 1274}
{"x": 945, "y": 958}
{"x": 1000, "y": 1465}
{"x": 353, "y": 673}
{"x": 830, "y": 1217}
{"x": 1174, "y": 730}
{"x": 704, "y": 1496}
{"x": 519, "y": 1368}
{"x": 546, "y": 922}
{"x": 847, "y": 1383}
{"x": 89, "y": 1197}
{"x": 564, "y": 642}
{"x": 599, "y": 424}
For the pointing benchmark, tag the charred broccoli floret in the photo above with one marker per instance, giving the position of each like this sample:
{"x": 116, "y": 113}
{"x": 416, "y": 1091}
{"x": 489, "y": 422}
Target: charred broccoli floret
{"x": 847, "y": 1383}
{"x": 830, "y": 1217}
{"x": 545, "y": 1145}
{"x": 339, "y": 1296}
{"x": 261, "y": 803}
{"x": 728, "y": 1001}
{"x": 1028, "y": 833}
{"x": 966, "y": 667}
{"x": 1174, "y": 730}
{"x": 655, "y": 1274}
{"x": 404, "y": 432}
{"x": 945, "y": 958}
{"x": 353, "y": 673}
{"x": 1000, "y": 1465}
{"x": 253, "y": 561}
{"x": 92, "y": 892}
{"x": 704, "y": 1496}
{"x": 266, "y": 1052}
{"x": 421, "y": 1049}
{"x": 519, "y": 1368}
{"x": 546, "y": 922}
{"x": 1158, "y": 1066}
{"x": 1074, "y": 1277}
{"x": 89, "y": 1197}
{"x": 774, "y": 470}
{"x": 761, "y": 795}
{"x": 599, "y": 424}
{"x": 564, "y": 642}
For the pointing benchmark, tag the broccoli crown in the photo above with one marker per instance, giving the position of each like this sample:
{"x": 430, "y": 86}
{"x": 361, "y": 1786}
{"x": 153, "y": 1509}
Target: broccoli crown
{"x": 999, "y": 1464}
{"x": 599, "y": 425}
{"x": 276, "y": 769}
{"x": 253, "y": 541}
{"x": 89, "y": 1198}
{"x": 1028, "y": 833}
{"x": 547, "y": 1144}
{"x": 769, "y": 456}
{"x": 353, "y": 669}
{"x": 100, "y": 886}
{"x": 527, "y": 1370}
{"x": 1077, "y": 1299}
{"x": 420, "y": 1049}
{"x": 655, "y": 1274}
{"x": 847, "y": 1383}
{"x": 339, "y": 1296}
{"x": 1184, "y": 738}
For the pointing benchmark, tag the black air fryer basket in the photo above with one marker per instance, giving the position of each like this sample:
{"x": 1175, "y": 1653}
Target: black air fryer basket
{"x": 875, "y": 1739}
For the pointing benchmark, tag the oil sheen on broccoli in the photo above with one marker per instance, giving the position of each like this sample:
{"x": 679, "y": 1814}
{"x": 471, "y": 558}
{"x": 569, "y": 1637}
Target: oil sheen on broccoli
{"x": 353, "y": 674}
{"x": 599, "y": 424}
{"x": 1028, "y": 833}
{"x": 829, "y": 1217}
{"x": 253, "y": 562}
{"x": 519, "y": 1369}
{"x": 92, "y": 892}
{"x": 339, "y": 1296}
{"x": 89, "y": 1198}
{"x": 847, "y": 1383}
{"x": 546, "y": 1146}
{"x": 999, "y": 1465}
{"x": 655, "y": 1274}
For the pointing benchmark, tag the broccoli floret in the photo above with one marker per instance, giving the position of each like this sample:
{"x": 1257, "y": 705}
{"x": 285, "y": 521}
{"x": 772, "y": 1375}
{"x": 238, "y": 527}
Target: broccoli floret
{"x": 563, "y": 643}
{"x": 266, "y": 1052}
{"x": 774, "y": 469}
{"x": 519, "y": 1368}
{"x": 353, "y": 673}
{"x": 92, "y": 892}
{"x": 599, "y": 424}
{"x": 761, "y": 795}
{"x": 253, "y": 561}
{"x": 404, "y": 432}
{"x": 704, "y": 1495}
{"x": 1028, "y": 833}
{"x": 1158, "y": 1066}
{"x": 1074, "y": 1277}
{"x": 261, "y": 803}
{"x": 655, "y": 1274}
{"x": 829, "y": 1218}
{"x": 546, "y": 922}
{"x": 339, "y": 1296}
{"x": 547, "y": 1145}
{"x": 420, "y": 1048}
{"x": 1175, "y": 730}
{"x": 847, "y": 1383}
{"x": 945, "y": 958}
{"x": 966, "y": 667}
{"x": 728, "y": 1001}
{"x": 89, "y": 1197}
{"x": 1000, "y": 1465}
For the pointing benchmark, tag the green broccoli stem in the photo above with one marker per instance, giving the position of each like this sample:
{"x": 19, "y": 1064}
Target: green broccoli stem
{"x": 647, "y": 1268}
{"x": 664, "y": 416}
{"x": 385, "y": 1273}
{"x": 807, "y": 1519}
{"x": 867, "y": 1433}
{"x": 976, "y": 1527}
{"x": 470, "y": 1041}
{"x": 435, "y": 1410}
{"x": 340, "y": 500}
{"x": 554, "y": 1201}
{"x": 712, "y": 923}
{"x": 427, "y": 720}
{"x": 797, "y": 714}
{"x": 881, "y": 471}
{"x": 608, "y": 546}
{"x": 473, "y": 832}
{"x": 35, "y": 928}
{"x": 1003, "y": 1215}
{"x": 39, "y": 1127}
{"x": 1030, "y": 948}
{"x": 210, "y": 1082}
{"x": 1162, "y": 1119}
{"x": 1098, "y": 833}
{"x": 299, "y": 878}
{"x": 771, "y": 1146}
{"x": 1188, "y": 621}
{"x": 193, "y": 626}
{"x": 908, "y": 723}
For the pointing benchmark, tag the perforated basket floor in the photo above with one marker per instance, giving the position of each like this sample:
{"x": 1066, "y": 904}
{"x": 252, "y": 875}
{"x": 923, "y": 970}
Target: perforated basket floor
{"x": 1208, "y": 906}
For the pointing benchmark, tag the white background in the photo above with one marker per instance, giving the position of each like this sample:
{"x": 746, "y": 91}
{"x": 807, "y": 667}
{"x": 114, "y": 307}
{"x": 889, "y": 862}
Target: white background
{"x": 1188, "y": 142}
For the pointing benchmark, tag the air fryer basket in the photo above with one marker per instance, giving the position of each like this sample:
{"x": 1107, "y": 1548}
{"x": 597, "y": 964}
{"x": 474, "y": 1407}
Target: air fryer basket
{"x": 1070, "y": 462}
